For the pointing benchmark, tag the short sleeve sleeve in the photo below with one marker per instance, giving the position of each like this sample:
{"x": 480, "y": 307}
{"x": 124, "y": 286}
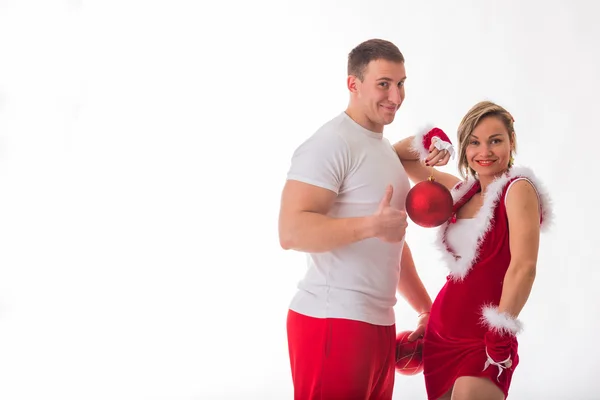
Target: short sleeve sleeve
{"x": 322, "y": 160}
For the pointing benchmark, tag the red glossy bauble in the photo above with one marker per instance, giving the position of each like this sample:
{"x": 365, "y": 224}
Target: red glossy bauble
{"x": 409, "y": 355}
{"x": 429, "y": 204}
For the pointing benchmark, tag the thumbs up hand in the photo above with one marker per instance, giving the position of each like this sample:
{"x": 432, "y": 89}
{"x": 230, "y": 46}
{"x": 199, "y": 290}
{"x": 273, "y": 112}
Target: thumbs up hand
{"x": 387, "y": 198}
{"x": 390, "y": 223}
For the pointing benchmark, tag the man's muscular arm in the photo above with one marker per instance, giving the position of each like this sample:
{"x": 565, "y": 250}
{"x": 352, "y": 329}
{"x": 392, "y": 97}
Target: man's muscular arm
{"x": 305, "y": 226}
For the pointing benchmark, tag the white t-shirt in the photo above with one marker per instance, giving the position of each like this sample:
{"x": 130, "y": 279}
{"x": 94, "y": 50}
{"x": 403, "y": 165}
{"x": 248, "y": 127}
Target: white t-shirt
{"x": 357, "y": 281}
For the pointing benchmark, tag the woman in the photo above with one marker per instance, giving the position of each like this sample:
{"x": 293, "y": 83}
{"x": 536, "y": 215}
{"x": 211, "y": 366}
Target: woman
{"x": 490, "y": 245}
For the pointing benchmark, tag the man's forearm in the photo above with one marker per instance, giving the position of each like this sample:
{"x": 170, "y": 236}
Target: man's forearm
{"x": 314, "y": 233}
{"x": 410, "y": 285}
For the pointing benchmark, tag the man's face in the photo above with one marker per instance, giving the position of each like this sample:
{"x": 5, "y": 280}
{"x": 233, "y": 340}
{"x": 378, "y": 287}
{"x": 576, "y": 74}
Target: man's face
{"x": 381, "y": 92}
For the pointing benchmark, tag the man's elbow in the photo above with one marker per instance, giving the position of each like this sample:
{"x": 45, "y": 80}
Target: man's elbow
{"x": 286, "y": 237}
{"x": 285, "y": 242}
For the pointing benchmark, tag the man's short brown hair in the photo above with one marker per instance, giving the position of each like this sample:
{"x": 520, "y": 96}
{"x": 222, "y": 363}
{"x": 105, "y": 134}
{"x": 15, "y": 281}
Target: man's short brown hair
{"x": 371, "y": 50}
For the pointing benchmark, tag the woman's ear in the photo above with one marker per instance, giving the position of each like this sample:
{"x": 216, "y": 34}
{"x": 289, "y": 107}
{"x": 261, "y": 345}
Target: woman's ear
{"x": 513, "y": 142}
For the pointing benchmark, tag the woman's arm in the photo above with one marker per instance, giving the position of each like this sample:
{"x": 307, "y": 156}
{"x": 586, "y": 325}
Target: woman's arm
{"x": 523, "y": 209}
{"x": 415, "y": 152}
{"x": 417, "y": 172}
{"x": 522, "y": 206}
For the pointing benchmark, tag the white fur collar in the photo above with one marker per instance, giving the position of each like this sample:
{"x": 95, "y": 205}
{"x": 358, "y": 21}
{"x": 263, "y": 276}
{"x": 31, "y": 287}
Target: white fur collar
{"x": 470, "y": 242}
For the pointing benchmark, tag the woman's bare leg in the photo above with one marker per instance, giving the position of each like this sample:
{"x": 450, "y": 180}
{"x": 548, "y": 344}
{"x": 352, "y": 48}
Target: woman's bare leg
{"x": 474, "y": 388}
{"x": 447, "y": 395}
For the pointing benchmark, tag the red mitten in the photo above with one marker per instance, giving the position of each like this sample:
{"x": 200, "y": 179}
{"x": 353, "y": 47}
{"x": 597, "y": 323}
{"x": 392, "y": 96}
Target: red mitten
{"x": 500, "y": 339}
{"x": 422, "y": 142}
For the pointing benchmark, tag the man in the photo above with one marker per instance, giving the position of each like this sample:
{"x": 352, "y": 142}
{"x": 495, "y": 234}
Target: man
{"x": 343, "y": 204}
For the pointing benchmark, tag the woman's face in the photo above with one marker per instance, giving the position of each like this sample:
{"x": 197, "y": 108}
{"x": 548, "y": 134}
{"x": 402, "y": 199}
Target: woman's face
{"x": 489, "y": 147}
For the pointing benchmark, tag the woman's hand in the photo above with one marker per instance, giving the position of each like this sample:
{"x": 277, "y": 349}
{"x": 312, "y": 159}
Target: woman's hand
{"x": 439, "y": 153}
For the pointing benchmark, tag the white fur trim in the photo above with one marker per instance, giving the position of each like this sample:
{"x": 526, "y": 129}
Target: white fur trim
{"x": 470, "y": 242}
{"x": 500, "y": 322}
{"x": 416, "y": 146}
{"x": 461, "y": 189}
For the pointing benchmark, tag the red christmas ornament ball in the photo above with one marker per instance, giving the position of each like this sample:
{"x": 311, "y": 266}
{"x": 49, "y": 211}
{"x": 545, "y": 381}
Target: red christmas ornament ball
{"x": 429, "y": 204}
{"x": 409, "y": 355}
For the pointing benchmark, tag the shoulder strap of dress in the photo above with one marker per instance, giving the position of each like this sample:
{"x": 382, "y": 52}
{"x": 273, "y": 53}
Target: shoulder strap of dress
{"x": 475, "y": 188}
{"x": 518, "y": 178}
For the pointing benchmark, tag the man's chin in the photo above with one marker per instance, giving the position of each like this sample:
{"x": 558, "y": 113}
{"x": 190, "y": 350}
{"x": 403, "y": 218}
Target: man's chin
{"x": 388, "y": 119}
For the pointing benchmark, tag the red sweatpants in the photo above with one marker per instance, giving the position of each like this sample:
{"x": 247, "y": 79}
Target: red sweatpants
{"x": 340, "y": 359}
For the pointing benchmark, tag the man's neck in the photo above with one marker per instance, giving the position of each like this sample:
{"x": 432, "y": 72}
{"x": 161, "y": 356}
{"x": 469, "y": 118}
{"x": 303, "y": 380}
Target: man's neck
{"x": 362, "y": 119}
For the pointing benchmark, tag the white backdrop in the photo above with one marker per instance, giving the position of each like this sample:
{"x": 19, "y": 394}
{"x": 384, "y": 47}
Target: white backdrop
{"x": 144, "y": 145}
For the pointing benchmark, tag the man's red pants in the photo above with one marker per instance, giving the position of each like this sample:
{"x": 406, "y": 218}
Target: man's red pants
{"x": 340, "y": 359}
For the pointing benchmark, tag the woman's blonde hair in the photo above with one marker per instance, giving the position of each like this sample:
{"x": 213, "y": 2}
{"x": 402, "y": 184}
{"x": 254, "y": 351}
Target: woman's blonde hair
{"x": 478, "y": 112}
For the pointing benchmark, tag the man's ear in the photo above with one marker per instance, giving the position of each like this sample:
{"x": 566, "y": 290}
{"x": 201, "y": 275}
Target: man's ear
{"x": 352, "y": 83}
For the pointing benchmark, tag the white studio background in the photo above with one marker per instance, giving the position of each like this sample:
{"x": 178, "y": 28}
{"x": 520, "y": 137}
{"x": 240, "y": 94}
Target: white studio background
{"x": 144, "y": 145}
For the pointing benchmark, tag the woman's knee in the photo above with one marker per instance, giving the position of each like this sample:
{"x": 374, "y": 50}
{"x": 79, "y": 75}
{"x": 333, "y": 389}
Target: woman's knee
{"x": 476, "y": 388}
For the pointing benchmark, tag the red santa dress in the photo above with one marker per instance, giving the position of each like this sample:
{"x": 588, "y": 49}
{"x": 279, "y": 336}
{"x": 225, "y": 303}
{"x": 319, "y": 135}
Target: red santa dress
{"x": 477, "y": 253}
